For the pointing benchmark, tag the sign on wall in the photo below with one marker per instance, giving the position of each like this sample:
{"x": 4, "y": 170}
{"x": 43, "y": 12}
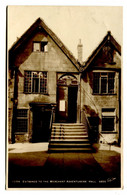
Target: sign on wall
{"x": 62, "y": 105}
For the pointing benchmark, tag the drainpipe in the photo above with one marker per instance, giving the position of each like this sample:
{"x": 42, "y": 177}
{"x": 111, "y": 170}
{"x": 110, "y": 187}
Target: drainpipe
{"x": 79, "y": 100}
{"x": 15, "y": 103}
{"x": 119, "y": 99}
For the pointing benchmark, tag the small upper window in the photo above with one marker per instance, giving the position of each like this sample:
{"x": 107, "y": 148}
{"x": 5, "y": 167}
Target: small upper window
{"x": 44, "y": 46}
{"x": 36, "y": 46}
{"x": 40, "y": 46}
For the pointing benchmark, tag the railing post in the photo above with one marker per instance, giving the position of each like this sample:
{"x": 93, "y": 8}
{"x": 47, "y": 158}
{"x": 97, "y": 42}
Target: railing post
{"x": 53, "y": 114}
{"x": 79, "y": 99}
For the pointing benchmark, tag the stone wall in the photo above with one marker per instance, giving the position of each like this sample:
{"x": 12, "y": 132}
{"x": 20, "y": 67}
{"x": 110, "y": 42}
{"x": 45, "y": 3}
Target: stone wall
{"x": 52, "y": 61}
{"x": 93, "y": 104}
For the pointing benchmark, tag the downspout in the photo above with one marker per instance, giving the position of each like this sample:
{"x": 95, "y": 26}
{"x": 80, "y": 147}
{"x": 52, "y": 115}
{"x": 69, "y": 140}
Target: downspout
{"x": 119, "y": 140}
{"x": 79, "y": 100}
{"x": 15, "y": 103}
{"x": 80, "y": 95}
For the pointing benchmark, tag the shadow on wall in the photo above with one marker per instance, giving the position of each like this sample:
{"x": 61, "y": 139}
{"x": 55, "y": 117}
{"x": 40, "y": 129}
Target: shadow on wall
{"x": 88, "y": 78}
{"x": 94, "y": 121}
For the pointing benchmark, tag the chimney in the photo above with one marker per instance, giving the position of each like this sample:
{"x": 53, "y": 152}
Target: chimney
{"x": 80, "y": 50}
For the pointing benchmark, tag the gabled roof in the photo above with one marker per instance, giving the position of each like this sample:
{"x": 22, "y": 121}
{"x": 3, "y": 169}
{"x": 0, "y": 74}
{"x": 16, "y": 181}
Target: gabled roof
{"x": 37, "y": 24}
{"x": 107, "y": 38}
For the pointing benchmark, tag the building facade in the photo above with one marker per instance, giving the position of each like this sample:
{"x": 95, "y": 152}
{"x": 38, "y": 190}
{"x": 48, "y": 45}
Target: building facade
{"x": 47, "y": 84}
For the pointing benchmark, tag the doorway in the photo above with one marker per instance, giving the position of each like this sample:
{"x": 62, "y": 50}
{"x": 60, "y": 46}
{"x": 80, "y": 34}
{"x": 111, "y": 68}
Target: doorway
{"x": 41, "y": 121}
{"x": 72, "y": 104}
{"x": 66, "y": 104}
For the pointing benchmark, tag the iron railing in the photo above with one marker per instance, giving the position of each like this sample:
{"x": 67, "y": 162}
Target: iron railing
{"x": 85, "y": 120}
{"x": 50, "y": 123}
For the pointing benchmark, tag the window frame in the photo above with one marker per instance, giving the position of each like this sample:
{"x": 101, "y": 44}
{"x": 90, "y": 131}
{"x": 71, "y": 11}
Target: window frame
{"x": 34, "y": 42}
{"x": 31, "y": 82}
{"x": 107, "y": 82}
{"x": 42, "y": 45}
{"x": 22, "y": 117}
{"x": 108, "y": 114}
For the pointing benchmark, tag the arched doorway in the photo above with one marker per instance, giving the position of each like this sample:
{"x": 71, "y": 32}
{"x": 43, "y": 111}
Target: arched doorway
{"x": 67, "y": 88}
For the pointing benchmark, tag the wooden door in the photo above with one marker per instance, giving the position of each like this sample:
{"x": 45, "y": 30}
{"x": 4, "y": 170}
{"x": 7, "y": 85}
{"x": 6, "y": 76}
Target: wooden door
{"x": 66, "y": 104}
{"x": 72, "y": 104}
{"x": 41, "y": 121}
{"x": 62, "y": 103}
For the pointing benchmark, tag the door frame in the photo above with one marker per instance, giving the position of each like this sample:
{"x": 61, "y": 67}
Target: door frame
{"x": 77, "y": 79}
{"x": 49, "y": 107}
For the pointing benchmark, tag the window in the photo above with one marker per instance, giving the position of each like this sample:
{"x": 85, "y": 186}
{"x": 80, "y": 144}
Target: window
{"x": 67, "y": 80}
{"x": 103, "y": 82}
{"x": 22, "y": 120}
{"x": 35, "y": 82}
{"x": 96, "y": 78}
{"x": 108, "y": 119}
{"x": 44, "y": 46}
{"x": 40, "y": 46}
{"x": 36, "y": 47}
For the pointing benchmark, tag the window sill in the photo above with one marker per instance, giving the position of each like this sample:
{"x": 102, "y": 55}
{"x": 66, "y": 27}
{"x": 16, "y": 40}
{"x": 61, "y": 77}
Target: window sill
{"x": 36, "y": 93}
{"x": 108, "y": 132}
{"x": 104, "y": 94}
{"x": 20, "y": 133}
{"x": 40, "y": 52}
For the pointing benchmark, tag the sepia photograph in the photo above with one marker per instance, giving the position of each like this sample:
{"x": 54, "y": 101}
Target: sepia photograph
{"x": 63, "y": 72}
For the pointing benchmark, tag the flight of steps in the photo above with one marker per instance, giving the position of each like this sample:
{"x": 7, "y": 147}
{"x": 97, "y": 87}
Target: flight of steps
{"x": 69, "y": 137}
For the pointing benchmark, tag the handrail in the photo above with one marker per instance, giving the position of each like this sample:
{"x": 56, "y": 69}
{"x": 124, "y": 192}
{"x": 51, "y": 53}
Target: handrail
{"x": 50, "y": 124}
{"x": 88, "y": 123}
{"x": 90, "y": 98}
{"x": 88, "y": 126}
{"x": 51, "y": 119}
{"x": 61, "y": 133}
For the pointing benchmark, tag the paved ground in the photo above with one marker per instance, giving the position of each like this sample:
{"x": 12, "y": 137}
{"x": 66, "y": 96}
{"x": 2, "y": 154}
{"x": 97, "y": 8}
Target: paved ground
{"x": 30, "y": 165}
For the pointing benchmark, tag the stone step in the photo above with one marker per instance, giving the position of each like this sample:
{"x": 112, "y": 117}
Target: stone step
{"x": 68, "y": 124}
{"x": 68, "y": 133}
{"x": 69, "y": 145}
{"x": 66, "y": 136}
{"x": 70, "y": 150}
{"x": 69, "y": 140}
{"x": 68, "y": 127}
{"x": 69, "y": 130}
{"x": 69, "y": 136}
